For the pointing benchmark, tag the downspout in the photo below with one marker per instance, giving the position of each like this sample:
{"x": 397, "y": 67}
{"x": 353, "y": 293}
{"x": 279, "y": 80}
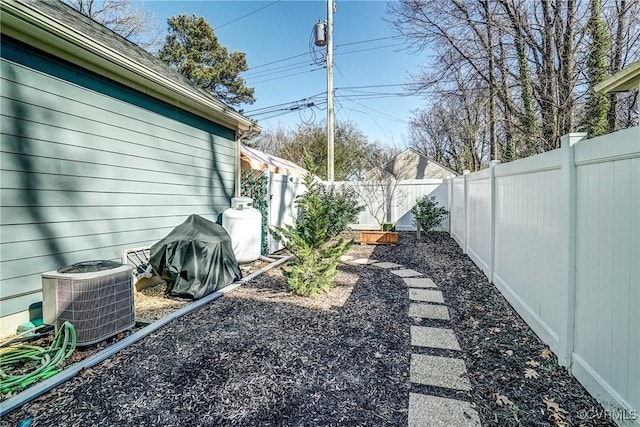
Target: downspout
{"x": 239, "y": 138}
{"x": 238, "y": 164}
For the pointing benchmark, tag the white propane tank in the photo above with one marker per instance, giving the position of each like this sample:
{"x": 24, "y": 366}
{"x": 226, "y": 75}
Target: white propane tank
{"x": 244, "y": 224}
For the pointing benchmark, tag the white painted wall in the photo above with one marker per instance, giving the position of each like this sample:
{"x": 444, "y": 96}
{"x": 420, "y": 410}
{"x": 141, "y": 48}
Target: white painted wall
{"x": 563, "y": 246}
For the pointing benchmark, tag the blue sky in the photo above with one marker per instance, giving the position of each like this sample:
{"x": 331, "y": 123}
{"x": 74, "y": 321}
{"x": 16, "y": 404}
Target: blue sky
{"x": 365, "y": 54}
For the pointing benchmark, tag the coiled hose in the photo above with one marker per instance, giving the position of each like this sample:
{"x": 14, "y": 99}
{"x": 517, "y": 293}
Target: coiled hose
{"x": 24, "y": 364}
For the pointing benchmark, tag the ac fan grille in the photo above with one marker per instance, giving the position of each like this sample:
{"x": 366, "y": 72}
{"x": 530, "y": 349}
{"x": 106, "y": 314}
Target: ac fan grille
{"x": 98, "y": 307}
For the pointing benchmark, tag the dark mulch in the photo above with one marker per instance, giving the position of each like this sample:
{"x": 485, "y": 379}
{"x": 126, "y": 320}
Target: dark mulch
{"x": 261, "y": 356}
{"x": 498, "y": 346}
{"x": 258, "y": 357}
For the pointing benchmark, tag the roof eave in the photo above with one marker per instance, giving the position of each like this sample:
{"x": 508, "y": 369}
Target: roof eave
{"x": 28, "y": 25}
{"x": 623, "y": 81}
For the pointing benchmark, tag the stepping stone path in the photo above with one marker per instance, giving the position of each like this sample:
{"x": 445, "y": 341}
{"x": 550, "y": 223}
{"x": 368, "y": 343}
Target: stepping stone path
{"x": 445, "y": 372}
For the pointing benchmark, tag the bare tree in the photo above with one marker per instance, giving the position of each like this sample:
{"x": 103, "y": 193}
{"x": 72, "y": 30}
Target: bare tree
{"x": 517, "y": 66}
{"x": 133, "y": 23}
{"x": 378, "y": 190}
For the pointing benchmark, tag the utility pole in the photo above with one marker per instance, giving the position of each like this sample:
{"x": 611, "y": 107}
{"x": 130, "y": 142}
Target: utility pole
{"x": 330, "y": 124}
{"x": 323, "y": 32}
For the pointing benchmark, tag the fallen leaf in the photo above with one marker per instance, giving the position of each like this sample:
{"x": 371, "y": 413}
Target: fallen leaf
{"x": 552, "y": 406}
{"x": 509, "y": 353}
{"x": 545, "y": 353}
{"x": 494, "y": 330}
{"x": 502, "y": 400}
{"x": 377, "y": 355}
{"x": 533, "y": 363}
{"x": 530, "y": 373}
{"x": 473, "y": 322}
{"x": 478, "y": 307}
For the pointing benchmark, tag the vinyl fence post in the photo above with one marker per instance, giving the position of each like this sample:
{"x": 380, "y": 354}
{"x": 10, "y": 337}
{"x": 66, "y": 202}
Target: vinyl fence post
{"x": 450, "y": 203}
{"x": 465, "y": 206}
{"x": 492, "y": 216}
{"x": 569, "y": 182}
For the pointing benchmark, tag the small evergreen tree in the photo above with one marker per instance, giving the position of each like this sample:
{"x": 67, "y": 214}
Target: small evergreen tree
{"x": 316, "y": 257}
{"x": 427, "y": 214}
{"x": 342, "y": 205}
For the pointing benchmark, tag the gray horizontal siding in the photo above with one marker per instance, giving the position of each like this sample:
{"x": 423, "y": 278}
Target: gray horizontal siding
{"x": 89, "y": 168}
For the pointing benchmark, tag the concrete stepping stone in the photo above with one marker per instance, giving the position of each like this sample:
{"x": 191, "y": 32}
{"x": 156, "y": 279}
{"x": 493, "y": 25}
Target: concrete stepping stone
{"x": 364, "y": 261}
{"x": 387, "y": 265}
{"x": 419, "y": 282}
{"x": 425, "y": 295}
{"x": 439, "y": 371}
{"x": 433, "y": 411}
{"x": 428, "y": 311}
{"x": 406, "y": 273}
{"x": 424, "y": 336}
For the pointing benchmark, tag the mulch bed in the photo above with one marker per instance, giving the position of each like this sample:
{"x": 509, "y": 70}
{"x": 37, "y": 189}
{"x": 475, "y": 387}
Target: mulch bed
{"x": 516, "y": 381}
{"x": 261, "y": 356}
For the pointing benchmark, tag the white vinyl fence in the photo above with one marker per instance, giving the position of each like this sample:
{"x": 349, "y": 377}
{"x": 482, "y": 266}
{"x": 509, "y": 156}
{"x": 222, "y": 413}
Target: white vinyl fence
{"x": 404, "y": 198}
{"x": 283, "y": 190}
{"x": 559, "y": 236}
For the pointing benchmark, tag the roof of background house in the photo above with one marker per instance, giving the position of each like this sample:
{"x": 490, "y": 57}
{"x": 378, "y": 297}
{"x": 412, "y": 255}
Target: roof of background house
{"x": 389, "y": 166}
{"x": 58, "y": 29}
{"x": 624, "y": 80}
{"x": 260, "y": 161}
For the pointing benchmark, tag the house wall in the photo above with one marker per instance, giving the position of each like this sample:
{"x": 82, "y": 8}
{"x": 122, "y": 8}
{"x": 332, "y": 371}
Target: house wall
{"x": 90, "y": 167}
{"x": 559, "y": 236}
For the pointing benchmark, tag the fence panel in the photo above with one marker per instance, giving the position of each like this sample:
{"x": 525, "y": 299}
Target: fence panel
{"x": 606, "y": 356}
{"x": 566, "y": 245}
{"x": 457, "y": 211}
{"x": 283, "y": 190}
{"x": 530, "y": 253}
{"x": 404, "y": 198}
{"x": 479, "y": 219}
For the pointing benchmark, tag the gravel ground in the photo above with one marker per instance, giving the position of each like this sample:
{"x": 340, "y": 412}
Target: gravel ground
{"x": 261, "y": 356}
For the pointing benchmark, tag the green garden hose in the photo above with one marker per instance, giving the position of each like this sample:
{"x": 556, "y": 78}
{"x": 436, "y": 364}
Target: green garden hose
{"x": 23, "y": 364}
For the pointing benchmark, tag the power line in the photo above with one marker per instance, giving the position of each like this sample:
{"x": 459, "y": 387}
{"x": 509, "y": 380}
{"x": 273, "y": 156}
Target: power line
{"x": 286, "y": 75}
{"x": 343, "y": 53}
{"x": 306, "y": 53}
{"x": 265, "y": 73}
{"x": 308, "y": 98}
{"x": 244, "y": 16}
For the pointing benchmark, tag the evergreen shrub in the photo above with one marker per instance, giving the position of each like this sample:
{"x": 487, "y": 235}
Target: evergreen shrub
{"x": 427, "y": 214}
{"x": 316, "y": 254}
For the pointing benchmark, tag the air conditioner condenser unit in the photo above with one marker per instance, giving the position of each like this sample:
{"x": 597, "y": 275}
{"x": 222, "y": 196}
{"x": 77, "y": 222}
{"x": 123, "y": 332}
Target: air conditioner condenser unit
{"x": 95, "y": 296}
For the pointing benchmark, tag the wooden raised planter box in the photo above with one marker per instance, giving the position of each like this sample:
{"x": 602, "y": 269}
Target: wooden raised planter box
{"x": 378, "y": 238}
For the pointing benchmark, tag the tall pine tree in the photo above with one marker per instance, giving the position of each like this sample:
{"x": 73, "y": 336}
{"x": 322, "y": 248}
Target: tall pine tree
{"x": 192, "y": 48}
